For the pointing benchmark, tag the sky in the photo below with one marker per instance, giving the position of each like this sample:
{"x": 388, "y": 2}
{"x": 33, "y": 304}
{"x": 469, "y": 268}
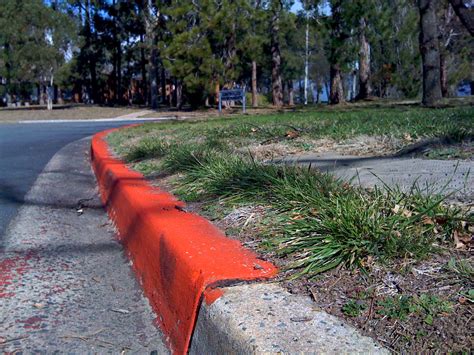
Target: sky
{"x": 296, "y": 6}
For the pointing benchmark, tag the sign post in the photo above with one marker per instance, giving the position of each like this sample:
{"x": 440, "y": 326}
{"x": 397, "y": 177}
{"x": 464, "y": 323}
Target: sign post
{"x": 232, "y": 95}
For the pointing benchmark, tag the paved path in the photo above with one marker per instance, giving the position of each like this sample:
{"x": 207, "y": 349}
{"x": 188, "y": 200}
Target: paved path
{"x": 65, "y": 284}
{"x": 432, "y": 176}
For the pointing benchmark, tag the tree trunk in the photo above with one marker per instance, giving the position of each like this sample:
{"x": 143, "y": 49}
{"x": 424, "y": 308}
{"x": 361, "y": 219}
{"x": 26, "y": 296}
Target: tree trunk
{"x": 164, "y": 96}
{"x": 150, "y": 29}
{"x": 143, "y": 70}
{"x": 231, "y": 53}
{"x": 328, "y": 90}
{"x": 41, "y": 96}
{"x": 429, "y": 49}
{"x": 336, "y": 94}
{"x": 119, "y": 73}
{"x": 92, "y": 61}
{"x": 465, "y": 14}
{"x": 291, "y": 95}
{"x": 306, "y": 62}
{"x": 153, "y": 77}
{"x": 443, "y": 71}
{"x": 277, "y": 93}
{"x": 60, "y": 96}
{"x": 217, "y": 90}
{"x": 254, "y": 84}
{"x": 301, "y": 91}
{"x": 179, "y": 94}
{"x": 365, "y": 89}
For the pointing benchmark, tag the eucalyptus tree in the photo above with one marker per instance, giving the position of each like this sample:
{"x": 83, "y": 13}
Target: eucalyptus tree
{"x": 465, "y": 13}
{"x": 429, "y": 48}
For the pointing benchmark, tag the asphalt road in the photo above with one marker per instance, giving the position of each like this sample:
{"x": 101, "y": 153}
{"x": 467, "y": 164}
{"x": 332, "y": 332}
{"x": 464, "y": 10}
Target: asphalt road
{"x": 25, "y": 149}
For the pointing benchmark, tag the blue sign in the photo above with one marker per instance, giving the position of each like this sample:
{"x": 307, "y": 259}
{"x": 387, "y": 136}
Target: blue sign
{"x": 232, "y": 95}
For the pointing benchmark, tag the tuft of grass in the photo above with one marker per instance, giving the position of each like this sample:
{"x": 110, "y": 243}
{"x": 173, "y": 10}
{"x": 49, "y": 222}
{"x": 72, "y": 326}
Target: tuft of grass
{"x": 353, "y": 308}
{"x": 469, "y": 295}
{"x": 432, "y": 306}
{"x": 186, "y": 157}
{"x": 318, "y": 220}
{"x": 397, "y": 307}
{"x": 461, "y": 267}
{"x": 147, "y": 167}
{"x": 148, "y": 147}
{"x": 401, "y": 307}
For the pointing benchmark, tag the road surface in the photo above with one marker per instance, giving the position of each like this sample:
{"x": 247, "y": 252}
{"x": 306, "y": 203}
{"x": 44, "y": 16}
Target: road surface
{"x": 65, "y": 283}
{"x": 25, "y": 149}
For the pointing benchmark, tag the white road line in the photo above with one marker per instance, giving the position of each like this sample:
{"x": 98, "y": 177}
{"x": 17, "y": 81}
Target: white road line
{"x": 102, "y": 120}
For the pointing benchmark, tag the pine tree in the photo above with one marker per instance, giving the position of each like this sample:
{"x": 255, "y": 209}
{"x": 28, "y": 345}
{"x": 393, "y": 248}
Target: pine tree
{"x": 34, "y": 40}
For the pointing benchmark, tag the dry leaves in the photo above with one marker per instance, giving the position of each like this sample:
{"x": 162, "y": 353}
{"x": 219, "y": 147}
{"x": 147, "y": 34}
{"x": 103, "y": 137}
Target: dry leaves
{"x": 462, "y": 240}
{"x": 292, "y": 134}
{"x": 402, "y": 210}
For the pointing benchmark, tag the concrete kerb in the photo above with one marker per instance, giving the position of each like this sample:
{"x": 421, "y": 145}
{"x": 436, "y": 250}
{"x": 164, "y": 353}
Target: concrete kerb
{"x": 181, "y": 259}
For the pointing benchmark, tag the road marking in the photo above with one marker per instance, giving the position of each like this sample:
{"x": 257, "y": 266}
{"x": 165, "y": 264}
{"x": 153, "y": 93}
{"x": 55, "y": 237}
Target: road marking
{"x": 103, "y": 120}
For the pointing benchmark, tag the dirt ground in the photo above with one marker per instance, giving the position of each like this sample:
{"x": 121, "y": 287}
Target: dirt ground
{"x": 372, "y": 294}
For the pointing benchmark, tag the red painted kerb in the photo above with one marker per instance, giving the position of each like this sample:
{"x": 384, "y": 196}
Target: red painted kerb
{"x": 176, "y": 255}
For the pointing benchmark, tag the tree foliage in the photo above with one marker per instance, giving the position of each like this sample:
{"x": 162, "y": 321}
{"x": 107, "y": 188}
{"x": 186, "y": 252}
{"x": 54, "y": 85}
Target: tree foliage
{"x": 177, "y": 52}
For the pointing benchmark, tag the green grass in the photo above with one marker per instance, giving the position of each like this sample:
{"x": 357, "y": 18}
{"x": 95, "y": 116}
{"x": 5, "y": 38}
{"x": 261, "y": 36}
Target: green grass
{"x": 456, "y": 124}
{"x": 320, "y": 221}
{"x": 401, "y": 307}
{"x": 353, "y": 308}
{"x": 462, "y": 267}
{"x": 450, "y": 153}
{"x": 313, "y": 219}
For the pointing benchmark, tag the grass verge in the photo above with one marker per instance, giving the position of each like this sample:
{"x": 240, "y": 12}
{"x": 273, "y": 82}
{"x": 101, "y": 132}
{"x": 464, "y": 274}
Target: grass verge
{"x": 318, "y": 221}
{"x": 381, "y": 258}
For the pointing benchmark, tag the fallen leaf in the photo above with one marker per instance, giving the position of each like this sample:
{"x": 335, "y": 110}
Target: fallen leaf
{"x": 292, "y": 134}
{"x": 427, "y": 220}
{"x": 461, "y": 240}
{"x": 297, "y": 217}
{"x": 313, "y": 211}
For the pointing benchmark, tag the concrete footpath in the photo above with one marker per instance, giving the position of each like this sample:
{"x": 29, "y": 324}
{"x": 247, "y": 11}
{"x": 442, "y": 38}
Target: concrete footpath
{"x": 65, "y": 284}
{"x": 431, "y": 176}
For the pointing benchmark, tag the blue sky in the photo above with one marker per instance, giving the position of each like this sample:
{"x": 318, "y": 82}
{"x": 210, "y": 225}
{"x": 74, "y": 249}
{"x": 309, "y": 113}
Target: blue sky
{"x": 296, "y": 6}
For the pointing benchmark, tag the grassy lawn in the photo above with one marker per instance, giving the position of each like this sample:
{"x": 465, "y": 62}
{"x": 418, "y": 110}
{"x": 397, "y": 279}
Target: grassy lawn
{"x": 64, "y": 112}
{"x": 376, "y": 257}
